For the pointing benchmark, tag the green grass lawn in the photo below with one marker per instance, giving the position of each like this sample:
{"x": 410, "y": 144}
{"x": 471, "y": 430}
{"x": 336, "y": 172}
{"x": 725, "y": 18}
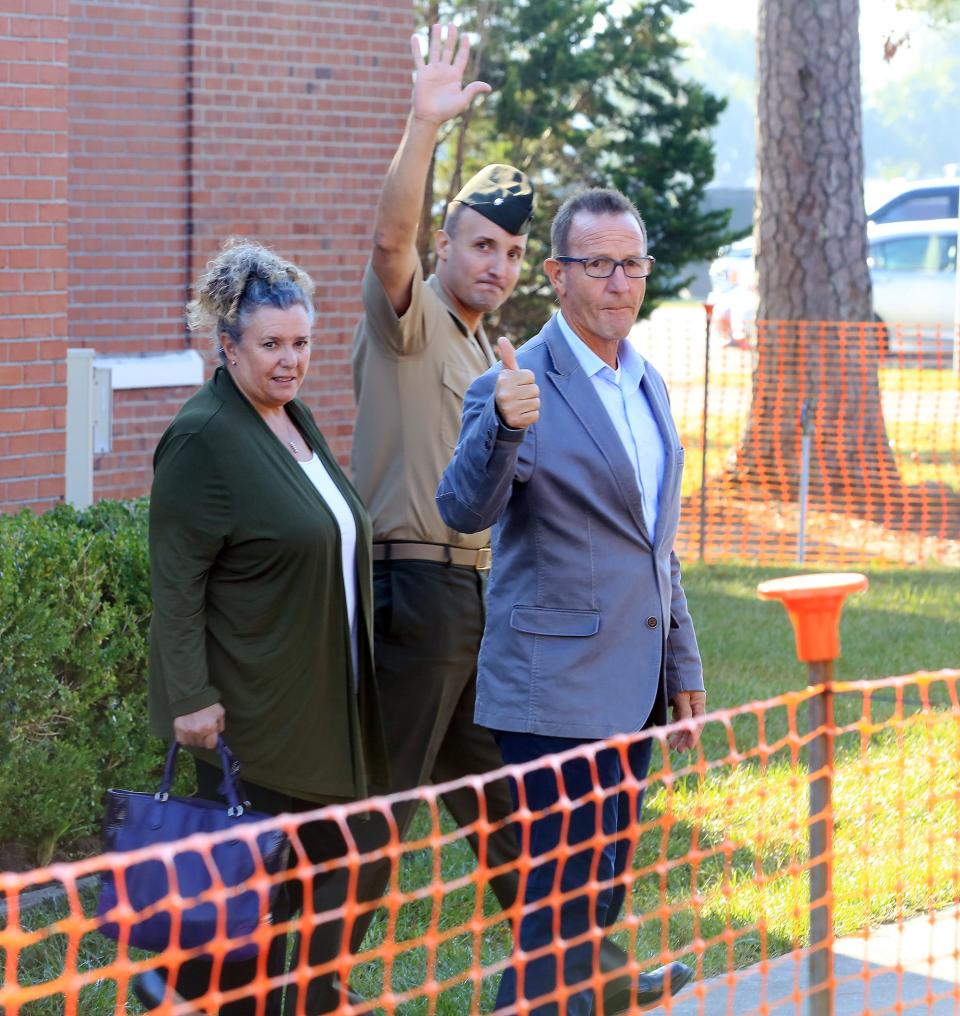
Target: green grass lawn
{"x": 897, "y": 825}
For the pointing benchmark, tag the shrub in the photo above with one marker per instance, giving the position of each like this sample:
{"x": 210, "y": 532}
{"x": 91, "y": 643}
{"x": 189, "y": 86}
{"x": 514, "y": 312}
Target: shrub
{"x": 74, "y": 615}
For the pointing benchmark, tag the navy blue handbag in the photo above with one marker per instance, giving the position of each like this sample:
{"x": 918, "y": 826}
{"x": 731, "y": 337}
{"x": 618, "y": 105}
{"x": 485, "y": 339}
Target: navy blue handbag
{"x": 135, "y": 820}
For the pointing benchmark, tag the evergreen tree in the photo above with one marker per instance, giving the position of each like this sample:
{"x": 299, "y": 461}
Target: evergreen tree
{"x": 586, "y": 94}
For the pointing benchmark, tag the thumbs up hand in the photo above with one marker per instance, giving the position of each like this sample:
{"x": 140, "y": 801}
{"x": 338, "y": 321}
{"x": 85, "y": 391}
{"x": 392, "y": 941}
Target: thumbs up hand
{"x": 517, "y": 395}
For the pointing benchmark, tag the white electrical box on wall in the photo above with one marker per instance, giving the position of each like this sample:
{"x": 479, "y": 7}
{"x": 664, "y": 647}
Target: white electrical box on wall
{"x": 102, "y": 410}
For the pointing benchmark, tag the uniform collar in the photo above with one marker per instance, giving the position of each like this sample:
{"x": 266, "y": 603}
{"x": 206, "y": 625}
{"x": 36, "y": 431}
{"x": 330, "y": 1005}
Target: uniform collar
{"x": 434, "y": 283}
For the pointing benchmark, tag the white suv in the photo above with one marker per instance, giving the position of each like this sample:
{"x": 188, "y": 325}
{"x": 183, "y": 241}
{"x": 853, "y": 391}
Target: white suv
{"x": 922, "y": 199}
{"x": 913, "y": 266}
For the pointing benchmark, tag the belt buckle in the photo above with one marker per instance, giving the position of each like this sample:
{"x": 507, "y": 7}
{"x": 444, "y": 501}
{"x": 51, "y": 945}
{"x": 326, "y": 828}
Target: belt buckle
{"x": 484, "y": 559}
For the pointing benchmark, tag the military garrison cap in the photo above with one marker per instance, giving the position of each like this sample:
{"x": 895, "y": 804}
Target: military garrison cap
{"x": 503, "y": 195}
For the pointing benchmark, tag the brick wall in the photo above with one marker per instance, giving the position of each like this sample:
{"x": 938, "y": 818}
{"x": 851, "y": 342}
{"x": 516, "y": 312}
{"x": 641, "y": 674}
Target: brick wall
{"x": 297, "y": 114}
{"x": 33, "y": 246}
{"x": 129, "y": 204}
{"x": 128, "y": 174}
{"x": 282, "y": 132}
{"x": 139, "y": 418}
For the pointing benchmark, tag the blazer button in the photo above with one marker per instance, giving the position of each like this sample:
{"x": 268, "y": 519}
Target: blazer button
{"x": 651, "y": 622}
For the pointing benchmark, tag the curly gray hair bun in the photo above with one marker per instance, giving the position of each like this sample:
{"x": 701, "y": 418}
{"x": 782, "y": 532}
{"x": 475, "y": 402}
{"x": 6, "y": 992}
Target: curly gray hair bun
{"x": 244, "y": 276}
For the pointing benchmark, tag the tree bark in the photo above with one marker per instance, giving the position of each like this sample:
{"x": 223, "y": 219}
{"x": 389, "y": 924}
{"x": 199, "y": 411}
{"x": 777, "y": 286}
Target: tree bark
{"x": 811, "y": 251}
{"x": 810, "y": 221}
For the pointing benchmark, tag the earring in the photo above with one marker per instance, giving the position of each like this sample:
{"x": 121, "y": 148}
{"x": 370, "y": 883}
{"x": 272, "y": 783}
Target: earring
{"x": 233, "y": 362}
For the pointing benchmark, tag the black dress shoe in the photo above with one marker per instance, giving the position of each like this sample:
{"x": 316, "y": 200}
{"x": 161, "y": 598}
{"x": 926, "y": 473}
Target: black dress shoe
{"x": 620, "y": 996}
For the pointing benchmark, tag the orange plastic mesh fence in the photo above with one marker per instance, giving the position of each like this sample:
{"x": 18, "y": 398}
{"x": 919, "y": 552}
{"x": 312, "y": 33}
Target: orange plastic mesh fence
{"x": 719, "y": 879}
{"x": 873, "y": 410}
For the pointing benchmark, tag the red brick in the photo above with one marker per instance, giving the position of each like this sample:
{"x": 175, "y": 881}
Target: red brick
{"x": 52, "y": 487}
{"x": 20, "y": 490}
{"x": 22, "y": 444}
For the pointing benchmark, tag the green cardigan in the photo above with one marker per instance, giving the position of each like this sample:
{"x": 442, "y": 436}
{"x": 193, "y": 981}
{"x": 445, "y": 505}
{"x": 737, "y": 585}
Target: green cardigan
{"x": 248, "y": 601}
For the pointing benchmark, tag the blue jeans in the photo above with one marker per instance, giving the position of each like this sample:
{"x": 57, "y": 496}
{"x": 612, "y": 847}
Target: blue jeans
{"x": 579, "y": 912}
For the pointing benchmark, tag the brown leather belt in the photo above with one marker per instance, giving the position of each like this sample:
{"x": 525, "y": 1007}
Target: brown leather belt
{"x": 442, "y": 552}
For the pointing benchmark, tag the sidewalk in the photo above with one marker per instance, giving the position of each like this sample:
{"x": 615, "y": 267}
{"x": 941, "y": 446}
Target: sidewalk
{"x": 908, "y": 968}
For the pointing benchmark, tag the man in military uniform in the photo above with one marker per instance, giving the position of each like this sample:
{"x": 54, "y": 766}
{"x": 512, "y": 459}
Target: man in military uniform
{"x": 417, "y": 349}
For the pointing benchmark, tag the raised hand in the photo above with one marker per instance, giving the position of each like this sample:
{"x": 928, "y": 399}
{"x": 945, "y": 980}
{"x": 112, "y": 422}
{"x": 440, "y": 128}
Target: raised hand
{"x": 517, "y": 394}
{"x": 438, "y": 94}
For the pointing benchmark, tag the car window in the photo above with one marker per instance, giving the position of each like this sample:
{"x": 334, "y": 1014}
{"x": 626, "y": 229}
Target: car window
{"x": 949, "y": 254}
{"x": 914, "y": 254}
{"x": 924, "y": 205}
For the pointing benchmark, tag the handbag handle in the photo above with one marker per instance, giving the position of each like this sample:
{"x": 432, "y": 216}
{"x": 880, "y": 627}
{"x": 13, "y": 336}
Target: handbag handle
{"x": 229, "y": 787}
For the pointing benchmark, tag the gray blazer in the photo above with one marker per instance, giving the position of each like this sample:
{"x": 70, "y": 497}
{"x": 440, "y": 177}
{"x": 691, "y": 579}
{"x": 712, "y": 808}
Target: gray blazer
{"x": 586, "y": 616}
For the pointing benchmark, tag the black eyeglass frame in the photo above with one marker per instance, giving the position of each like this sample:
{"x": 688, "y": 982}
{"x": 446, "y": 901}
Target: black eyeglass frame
{"x": 649, "y": 258}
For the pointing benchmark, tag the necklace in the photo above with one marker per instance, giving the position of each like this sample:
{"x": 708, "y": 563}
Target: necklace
{"x": 289, "y": 442}
{"x": 288, "y": 428}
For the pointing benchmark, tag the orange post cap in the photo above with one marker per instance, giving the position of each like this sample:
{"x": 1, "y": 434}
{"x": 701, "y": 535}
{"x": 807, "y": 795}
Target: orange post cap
{"x": 814, "y": 603}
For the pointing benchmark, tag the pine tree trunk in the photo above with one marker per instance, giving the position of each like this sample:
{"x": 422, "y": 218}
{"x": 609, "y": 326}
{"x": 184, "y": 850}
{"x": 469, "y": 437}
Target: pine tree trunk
{"x": 810, "y": 232}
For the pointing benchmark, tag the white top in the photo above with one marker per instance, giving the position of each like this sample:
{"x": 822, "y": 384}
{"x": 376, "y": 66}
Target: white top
{"x": 337, "y": 503}
{"x": 622, "y": 395}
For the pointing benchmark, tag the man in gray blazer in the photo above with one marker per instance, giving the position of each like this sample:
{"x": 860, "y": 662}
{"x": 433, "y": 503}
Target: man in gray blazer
{"x": 569, "y": 449}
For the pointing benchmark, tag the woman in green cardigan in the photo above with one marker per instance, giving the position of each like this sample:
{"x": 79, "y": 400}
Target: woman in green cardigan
{"x": 261, "y": 581}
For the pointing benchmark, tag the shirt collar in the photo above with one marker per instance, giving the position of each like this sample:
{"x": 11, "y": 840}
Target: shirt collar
{"x": 631, "y": 362}
{"x": 437, "y": 286}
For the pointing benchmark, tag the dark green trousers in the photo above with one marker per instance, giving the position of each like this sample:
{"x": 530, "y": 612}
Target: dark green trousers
{"x": 429, "y": 620}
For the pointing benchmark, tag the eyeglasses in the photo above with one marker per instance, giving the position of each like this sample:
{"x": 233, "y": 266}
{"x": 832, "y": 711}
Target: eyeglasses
{"x": 603, "y": 268}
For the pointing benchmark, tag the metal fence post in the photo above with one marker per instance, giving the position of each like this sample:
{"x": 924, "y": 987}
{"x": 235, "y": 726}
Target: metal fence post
{"x": 814, "y": 604}
{"x": 806, "y": 433}
{"x": 956, "y": 303}
{"x": 708, "y": 309}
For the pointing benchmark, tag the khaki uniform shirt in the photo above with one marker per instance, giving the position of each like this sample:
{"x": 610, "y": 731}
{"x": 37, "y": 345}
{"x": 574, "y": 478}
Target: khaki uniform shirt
{"x": 409, "y": 377}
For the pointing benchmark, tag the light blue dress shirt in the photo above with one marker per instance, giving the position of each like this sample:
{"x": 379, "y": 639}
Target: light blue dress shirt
{"x": 629, "y": 411}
